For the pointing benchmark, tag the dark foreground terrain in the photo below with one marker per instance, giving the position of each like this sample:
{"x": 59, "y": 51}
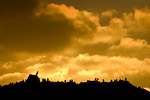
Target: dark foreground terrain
{"x": 116, "y": 87}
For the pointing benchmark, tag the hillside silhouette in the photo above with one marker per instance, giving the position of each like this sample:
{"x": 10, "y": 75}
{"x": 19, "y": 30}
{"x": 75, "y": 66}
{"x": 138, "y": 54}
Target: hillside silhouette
{"x": 119, "y": 87}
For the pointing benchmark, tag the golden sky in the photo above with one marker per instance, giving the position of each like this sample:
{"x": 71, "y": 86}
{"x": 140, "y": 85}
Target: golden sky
{"x": 75, "y": 39}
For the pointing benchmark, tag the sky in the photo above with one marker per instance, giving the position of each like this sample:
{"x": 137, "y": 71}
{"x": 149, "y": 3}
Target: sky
{"x": 75, "y": 39}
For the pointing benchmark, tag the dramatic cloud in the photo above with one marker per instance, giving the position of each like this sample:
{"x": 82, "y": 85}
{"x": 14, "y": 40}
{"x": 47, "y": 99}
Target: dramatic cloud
{"x": 39, "y": 33}
{"x": 106, "y": 16}
{"x": 108, "y": 13}
{"x": 80, "y": 68}
{"x": 129, "y": 43}
{"x": 51, "y": 28}
{"x": 17, "y": 8}
{"x": 131, "y": 48}
{"x": 10, "y": 77}
{"x": 138, "y": 23}
{"x": 122, "y": 37}
{"x": 103, "y": 5}
{"x": 66, "y": 42}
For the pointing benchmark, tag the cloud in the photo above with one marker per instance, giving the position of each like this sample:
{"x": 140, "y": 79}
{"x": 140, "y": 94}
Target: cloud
{"x": 39, "y": 32}
{"x": 107, "y": 34}
{"x": 15, "y": 9}
{"x": 11, "y": 77}
{"x": 106, "y": 16}
{"x": 52, "y": 28}
{"x": 137, "y": 23}
{"x": 49, "y": 28}
{"x": 126, "y": 36}
{"x": 148, "y": 89}
{"x": 130, "y": 47}
{"x": 103, "y": 5}
{"x": 81, "y": 68}
{"x": 63, "y": 42}
{"x": 108, "y": 13}
{"x": 129, "y": 43}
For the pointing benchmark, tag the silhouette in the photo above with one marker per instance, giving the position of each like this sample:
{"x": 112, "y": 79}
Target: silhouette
{"x": 114, "y": 87}
{"x": 33, "y": 80}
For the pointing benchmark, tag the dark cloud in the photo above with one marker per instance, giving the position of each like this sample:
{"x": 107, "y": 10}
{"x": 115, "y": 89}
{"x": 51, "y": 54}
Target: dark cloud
{"x": 100, "y": 49}
{"x": 30, "y": 28}
{"x": 38, "y": 34}
{"x": 102, "y": 5}
{"x": 15, "y": 8}
{"x": 133, "y": 53}
{"x": 138, "y": 24}
{"x": 33, "y": 33}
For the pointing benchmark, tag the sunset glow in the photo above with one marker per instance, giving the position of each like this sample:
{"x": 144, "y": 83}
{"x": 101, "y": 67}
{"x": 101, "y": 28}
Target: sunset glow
{"x": 75, "y": 39}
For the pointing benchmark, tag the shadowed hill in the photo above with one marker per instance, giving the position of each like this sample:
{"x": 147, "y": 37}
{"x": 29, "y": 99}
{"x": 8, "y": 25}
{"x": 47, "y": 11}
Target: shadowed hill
{"x": 119, "y": 87}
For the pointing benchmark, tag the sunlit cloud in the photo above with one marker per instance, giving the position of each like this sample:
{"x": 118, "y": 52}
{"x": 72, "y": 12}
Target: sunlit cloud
{"x": 11, "y": 77}
{"x": 108, "y": 13}
{"x": 137, "y": 23}
{"x": 129, "y": 43}
{"x": 83, "y": 67}
{"x": 64, "y": 42}
{"x": 148, "y": 89}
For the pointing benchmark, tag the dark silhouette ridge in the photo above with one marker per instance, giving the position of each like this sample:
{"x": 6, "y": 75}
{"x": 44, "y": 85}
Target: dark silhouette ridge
{"x": 121, "y": 87}
{"x": 33, "y": 80}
